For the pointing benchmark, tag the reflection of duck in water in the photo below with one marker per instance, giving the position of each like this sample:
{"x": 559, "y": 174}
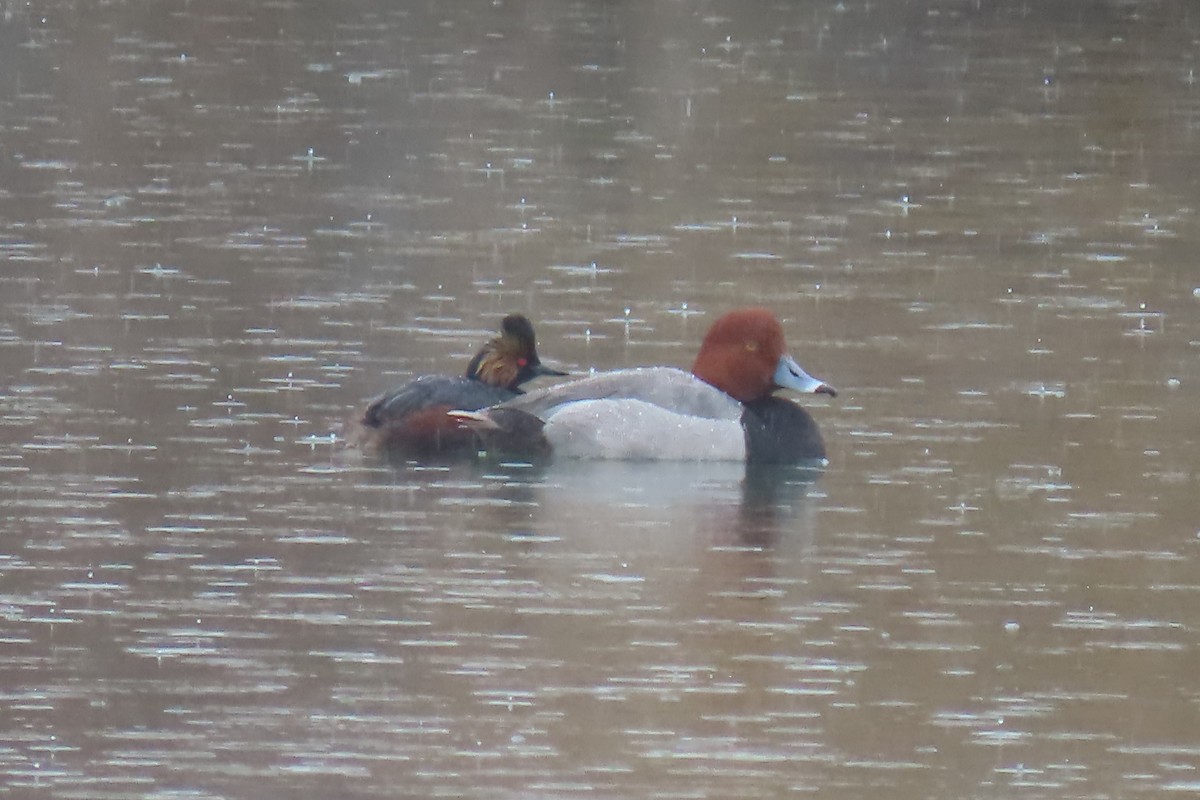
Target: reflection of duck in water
{"x": 723, "y": 410}
{"x": 674, "y": 503}
{"x": 773, "y": 497}
{"x": 412, "y": 419}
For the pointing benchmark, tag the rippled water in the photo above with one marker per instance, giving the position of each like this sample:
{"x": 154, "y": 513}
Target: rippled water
{"x": 224, "y": 225}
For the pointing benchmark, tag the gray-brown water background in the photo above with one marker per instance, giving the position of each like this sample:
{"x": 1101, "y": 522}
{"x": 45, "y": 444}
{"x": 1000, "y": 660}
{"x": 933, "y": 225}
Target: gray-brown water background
{"x": 223, "y": 225}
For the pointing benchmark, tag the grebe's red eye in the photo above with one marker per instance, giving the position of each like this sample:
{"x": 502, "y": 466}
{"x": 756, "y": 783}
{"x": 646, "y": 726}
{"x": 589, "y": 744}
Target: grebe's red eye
{"x": 521, "y": 362}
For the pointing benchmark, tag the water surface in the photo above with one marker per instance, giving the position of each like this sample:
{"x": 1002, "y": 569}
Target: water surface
{"x": 224, "y": 227}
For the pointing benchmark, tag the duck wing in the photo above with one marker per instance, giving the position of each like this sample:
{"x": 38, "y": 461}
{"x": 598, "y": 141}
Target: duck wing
{"x": 671, "y": 389}
{"x": 428, "y": 391}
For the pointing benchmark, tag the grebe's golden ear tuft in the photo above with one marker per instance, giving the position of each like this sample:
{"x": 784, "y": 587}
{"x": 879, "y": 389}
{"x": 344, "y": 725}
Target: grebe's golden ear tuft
{"x": 510, "y": 358}
{"x": 496, "y": 366}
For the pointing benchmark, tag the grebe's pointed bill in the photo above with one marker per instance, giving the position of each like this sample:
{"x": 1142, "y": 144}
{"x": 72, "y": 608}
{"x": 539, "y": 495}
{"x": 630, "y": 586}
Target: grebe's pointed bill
{"x": 789, "y": 375}
{"x": 540, "y": 369}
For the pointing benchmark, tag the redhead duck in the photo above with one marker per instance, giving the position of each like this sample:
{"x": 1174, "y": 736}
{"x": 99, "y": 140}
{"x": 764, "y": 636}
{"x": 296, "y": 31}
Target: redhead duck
{"x": 723, "y": 410}
{"x": 412, "y": 418}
